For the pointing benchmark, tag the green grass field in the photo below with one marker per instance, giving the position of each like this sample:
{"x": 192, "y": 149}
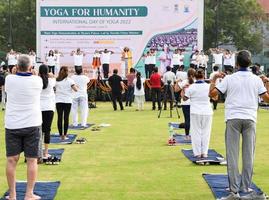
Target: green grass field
{"x": 131, "y": 161}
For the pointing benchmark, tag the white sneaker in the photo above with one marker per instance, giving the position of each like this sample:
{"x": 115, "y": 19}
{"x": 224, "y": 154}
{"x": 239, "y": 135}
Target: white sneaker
{"x": 231, "y": 196}
{"x": 254, "y": 196}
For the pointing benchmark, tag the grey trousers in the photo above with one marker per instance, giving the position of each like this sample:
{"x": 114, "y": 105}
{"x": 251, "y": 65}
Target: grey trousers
{"x": 234, "y": 128}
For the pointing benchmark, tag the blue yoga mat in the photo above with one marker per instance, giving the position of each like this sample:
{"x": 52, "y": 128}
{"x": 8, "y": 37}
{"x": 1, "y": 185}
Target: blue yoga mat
{"x": 47, "y": 190}
{"x": 213, "y": 157}
{"x": 79, "y": 127}
{"x": 56, "y": 153}
{"x": 181, "y": 139}
{"x": 175, "y": 125}
{"x": 219, "y": 184}
{"x": 56, "y": 139}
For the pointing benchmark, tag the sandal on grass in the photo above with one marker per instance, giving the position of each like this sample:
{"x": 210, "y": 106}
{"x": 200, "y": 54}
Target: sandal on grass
{"x": 81, "y": 141}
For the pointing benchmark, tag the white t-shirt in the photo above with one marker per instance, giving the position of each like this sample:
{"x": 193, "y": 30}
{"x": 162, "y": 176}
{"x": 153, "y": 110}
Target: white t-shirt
{"x": 33, "y": 59}
{"x": 78, "y": 59}
{"x": 181, "y": 75}
{"x": 47, "y": 98}
{"x": 227, "y": 60}
{"x": 212, "y": 76}
{"x": 12, "y": 59}
{"x": 169, "y": 76}
{"x": 202, "y": 60}
{"x": 194, "y": 59}
{"x": 51, "y": 60}
{"x": 82, "y": 82}
{"x": 106, "y": 57}
{"x": 199, "y": 100}
{"x": 176, "y": 59}
{"x": 23, "y": 105}
{"x": 181, "y": 85}
{"x": 58, "y": 56}
{"x": 218, "y": 58}
{"x": 152, "y": 59}
{"x": 138, "y": 92}
{"x": 64, "y": 91}
{"x": 147, "y": 60}
{"x": 243, "y": 89}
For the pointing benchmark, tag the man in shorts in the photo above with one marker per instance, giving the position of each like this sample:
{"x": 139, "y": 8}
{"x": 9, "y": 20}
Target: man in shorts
{"x": 22, "y": 124}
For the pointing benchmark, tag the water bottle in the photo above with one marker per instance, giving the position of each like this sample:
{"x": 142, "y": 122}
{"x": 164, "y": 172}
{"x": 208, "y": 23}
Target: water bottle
{"x": 171, "y": 131}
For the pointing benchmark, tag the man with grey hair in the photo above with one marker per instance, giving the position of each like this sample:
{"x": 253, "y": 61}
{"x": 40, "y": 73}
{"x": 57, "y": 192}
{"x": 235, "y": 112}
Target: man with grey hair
{"x": 22, "y": 124}
{"x": 243, "y": 90}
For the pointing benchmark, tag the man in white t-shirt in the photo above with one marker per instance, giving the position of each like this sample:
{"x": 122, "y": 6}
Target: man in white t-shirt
{"x": 152, "y": 61}
{"x": 105, "y": 57}
{"x": 169, "y": 79}
{"x": 243, "y": 90}
{"x": 218, "y": 57}
{"x": 78, "y": 57}
{"x": 22, "y": 124}
{"x": 177, "y": 60}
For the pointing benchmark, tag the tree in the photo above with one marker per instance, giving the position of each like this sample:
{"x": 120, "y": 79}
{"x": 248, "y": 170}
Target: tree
{"x": 23, "y": 24}
{"x": 234, "y": 22}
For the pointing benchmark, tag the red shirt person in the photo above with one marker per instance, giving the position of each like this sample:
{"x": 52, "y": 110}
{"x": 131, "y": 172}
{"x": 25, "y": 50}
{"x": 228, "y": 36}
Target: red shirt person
{"x": 155, "y": 83}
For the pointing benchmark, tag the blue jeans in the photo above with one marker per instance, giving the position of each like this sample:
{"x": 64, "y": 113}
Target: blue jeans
{"x": 130, "y": 95}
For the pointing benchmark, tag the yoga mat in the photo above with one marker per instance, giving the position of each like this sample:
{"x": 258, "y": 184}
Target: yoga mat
{"x": 218, "y": 184}
{"x": 47, "y": 190}
{"x": 176, "y": 125}
{"x": 213, "y": 157}
{"x": 79, "y": 127}
{"x": 56, "y": 139}
{"x": 181, "y": 139}
{"x": 56, "y": 153}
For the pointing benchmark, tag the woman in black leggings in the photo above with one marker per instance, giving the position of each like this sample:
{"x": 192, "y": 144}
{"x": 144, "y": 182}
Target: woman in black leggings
{"x": 64, "y": 87}
{"x": 47, "y": 103}
{"x": 186, "y": 104}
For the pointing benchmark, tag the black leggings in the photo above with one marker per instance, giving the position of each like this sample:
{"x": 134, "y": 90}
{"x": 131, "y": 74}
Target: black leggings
{"x": 47, "y": 117}
{"x": 52, "y": 69}
{"x": 63, "y": 111}
{"x": 186, "y": 113}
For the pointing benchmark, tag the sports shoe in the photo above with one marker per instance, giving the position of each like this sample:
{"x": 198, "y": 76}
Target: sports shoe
{"x": 231, "y": 196}
{"x": 254, "y": 196}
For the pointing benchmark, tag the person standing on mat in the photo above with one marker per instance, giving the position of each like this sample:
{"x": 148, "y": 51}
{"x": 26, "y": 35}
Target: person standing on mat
{"x": 130, "y": 91}
{"x": 47, "y": 102}
{"x": 105, "y": 57}
{"x": 22, "y": 124}
{"x": 80, "y": 98}
{"x": 201, "y": 114}
{"x": 117, "y": 88}
{"x": 186, "y": 104}
{"x": 243, "y": 90}
{"x": 63, "y": 98}
{"x": 155, "y": 84}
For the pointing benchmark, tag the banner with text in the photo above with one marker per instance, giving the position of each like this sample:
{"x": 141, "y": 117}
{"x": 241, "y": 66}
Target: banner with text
{"x": 90, "y": 25}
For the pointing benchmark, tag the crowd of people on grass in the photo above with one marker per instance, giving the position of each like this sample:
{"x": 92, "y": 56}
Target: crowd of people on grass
{"x": 33, "y": 94}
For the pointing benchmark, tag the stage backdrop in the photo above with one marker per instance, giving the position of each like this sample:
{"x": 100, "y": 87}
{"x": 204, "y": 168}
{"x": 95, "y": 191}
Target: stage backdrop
{"x": 113, "y": 24}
